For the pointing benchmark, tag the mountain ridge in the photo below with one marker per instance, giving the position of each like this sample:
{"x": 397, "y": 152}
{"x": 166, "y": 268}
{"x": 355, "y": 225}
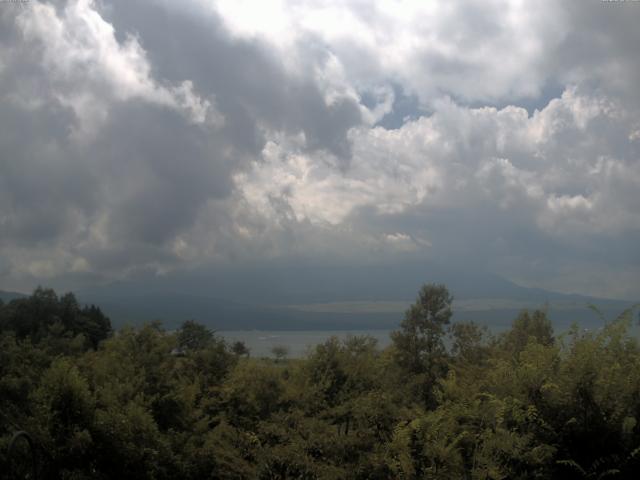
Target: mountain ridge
{"x": 310, "y": 298}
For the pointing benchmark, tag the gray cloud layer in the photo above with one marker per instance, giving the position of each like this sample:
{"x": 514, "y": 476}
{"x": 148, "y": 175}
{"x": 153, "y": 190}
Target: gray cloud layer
{"x": 149, "y": 135}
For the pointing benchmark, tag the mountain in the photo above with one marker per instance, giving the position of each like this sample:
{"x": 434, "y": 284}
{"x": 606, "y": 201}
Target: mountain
{"x": 330, "y": 298}
{"x": 8, "y": 296}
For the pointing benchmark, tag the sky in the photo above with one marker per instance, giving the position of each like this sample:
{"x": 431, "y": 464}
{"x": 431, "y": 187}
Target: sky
{"x": 157, "y": 137}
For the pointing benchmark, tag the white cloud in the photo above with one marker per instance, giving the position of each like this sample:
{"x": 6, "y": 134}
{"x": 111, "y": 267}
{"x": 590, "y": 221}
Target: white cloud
{"x": 88, "y": 68}
{"x": 431, "y": 48}
{"x": 545, "y": 171}
{"x": 294, "y": 159}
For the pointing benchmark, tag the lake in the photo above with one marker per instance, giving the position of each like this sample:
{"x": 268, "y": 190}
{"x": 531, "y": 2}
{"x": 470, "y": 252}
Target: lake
{"x": 260, "y": 342}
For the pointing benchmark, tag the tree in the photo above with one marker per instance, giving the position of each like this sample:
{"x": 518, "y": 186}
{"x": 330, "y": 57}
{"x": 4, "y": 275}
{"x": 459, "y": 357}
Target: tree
{"x": 419, "y": 346}
{"x": 65, "y": 415}
{"x": 94, "y": 324}
{"x": 252, "y": 392}
{"x": 469, "y": 342}
{"x": 528, "y": 327}
{"x": 55, "y": 322}
{"x": 194, "y": 336}
{"x": 280, "y": 352}
{"x": 240, "y": 349}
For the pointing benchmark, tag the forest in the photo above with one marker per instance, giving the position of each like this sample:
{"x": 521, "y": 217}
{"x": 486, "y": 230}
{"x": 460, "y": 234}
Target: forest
{"x": 447, "y": 399}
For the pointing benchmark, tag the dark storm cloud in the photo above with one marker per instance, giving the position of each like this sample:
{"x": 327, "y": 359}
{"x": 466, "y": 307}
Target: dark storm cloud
{"x": 159, "y": 170}
{"x": 42, "y": 179}
{"x": 246, "y": 75}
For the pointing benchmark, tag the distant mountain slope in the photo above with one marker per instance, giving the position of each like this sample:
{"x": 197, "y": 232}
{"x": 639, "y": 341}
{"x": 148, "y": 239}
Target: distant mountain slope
{"x": 304, "y": 284}
{"x": 316, "y": 298}
{"x": 8, "y": 296}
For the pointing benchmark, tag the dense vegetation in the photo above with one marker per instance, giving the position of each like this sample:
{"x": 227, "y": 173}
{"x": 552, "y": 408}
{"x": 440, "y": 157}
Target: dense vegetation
{"x": 446, "y": 400}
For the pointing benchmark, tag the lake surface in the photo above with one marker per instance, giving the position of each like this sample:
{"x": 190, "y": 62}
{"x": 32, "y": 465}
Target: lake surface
{"x": 260, "y": 342}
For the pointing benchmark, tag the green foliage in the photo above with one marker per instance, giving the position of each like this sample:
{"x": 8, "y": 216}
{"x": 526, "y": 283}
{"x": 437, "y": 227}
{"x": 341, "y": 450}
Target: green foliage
{"x": 419, "y": 342}
{"x": 65, "y": 408}
{"x": 58, "y": 324}
{"x": 528, "y": 327}
{"x": 469, "y": 343}
{"x": 240, "y": 348}
{"x": 194, "y": 336}
{"x": 419, "y": 345}
{"x": 280, "y": 352}
{"x": 252, "y": 393}
{"x": 151, "y": 404}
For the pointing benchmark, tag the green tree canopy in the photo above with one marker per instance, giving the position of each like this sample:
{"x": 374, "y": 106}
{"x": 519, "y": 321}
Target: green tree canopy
{"x": 419, "y": 345}
{"x": 194, "y": 336}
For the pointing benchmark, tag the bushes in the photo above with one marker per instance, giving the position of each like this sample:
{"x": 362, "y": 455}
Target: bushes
{"x": 527, "y": 404}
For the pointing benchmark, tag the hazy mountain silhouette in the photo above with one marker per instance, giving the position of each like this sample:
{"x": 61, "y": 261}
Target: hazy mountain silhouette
{"x": 293, "y": 297}
{"x": 8, "y": 296}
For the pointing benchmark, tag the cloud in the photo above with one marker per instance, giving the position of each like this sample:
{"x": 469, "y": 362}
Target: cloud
{"x": 471, "y": 182}
{"x": 102, "y": 160}
{"x": 253, "y": 86}
{"x": 89, "y": 69}
{"x": 431, "y": 48}
{"x": 149, "y": 135}
{"x": 561, "y": 159}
